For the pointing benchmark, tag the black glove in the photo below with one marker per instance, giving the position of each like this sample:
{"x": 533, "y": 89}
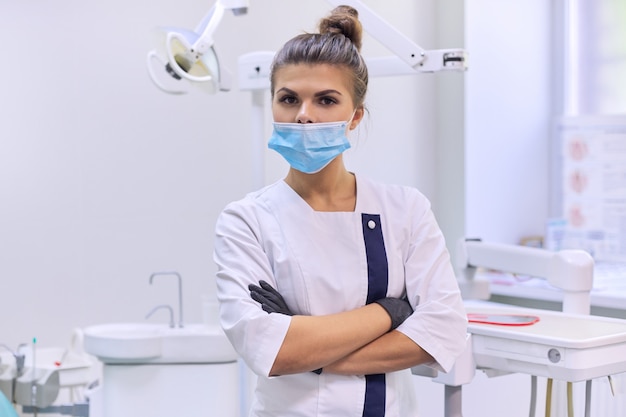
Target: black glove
{"x": 271, "y": 301}
{"x": 398, "y": 310}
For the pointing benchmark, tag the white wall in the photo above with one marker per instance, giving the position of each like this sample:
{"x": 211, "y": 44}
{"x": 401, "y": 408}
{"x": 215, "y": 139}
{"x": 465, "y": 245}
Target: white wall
{"x": 507, "y": 118}
{"x": 507, "y": 138}
{"x": 104, "y": 179}
{"x": 450, "y": 194}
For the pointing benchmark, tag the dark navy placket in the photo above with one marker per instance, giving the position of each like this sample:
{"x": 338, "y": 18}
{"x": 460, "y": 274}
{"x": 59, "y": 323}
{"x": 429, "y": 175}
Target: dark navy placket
{"x": 378, "y": 279}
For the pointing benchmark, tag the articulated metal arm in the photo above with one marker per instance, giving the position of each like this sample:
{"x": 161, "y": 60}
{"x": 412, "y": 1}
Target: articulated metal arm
{"x": 568, "y": 270}
{"x": 408, "y": 52}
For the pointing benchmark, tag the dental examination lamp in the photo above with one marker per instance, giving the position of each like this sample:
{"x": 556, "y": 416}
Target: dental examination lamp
{"x": 187, "y": 55}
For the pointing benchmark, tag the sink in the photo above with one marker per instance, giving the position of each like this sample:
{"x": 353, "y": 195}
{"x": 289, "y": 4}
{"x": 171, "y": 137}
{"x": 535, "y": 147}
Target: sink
{"x": 133, "y": 341}
{"x": 156, "y": 343}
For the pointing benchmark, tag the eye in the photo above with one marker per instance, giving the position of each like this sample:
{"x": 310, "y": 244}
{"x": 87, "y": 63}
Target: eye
{"x": 288, "y": 99}
{"x": 328, "y": 100}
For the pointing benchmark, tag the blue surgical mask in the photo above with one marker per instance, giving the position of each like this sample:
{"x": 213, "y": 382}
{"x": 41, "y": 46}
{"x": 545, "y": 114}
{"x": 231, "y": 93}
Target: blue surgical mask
{"x": 309, "y": 147}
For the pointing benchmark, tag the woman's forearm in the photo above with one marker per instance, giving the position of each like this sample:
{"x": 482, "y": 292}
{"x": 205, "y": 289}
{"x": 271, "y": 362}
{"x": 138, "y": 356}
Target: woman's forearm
{"x": 314, "y": 342}
{"x": 391, "y": 352}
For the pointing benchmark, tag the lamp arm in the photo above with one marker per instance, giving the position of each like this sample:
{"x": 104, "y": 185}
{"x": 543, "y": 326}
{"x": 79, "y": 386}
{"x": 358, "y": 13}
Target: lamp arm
{"x": 382, "y": 31}
{"x": 210, "y": 23}
{"x": 417, "y": 58}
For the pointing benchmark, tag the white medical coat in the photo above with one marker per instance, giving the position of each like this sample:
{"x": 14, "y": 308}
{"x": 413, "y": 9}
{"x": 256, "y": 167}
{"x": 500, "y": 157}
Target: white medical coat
{"x": 318, "y": 262}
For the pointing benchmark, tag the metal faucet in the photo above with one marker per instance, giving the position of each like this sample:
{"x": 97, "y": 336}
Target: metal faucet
{"x": 180, "y": 293}
{"x": 167, "y": 306}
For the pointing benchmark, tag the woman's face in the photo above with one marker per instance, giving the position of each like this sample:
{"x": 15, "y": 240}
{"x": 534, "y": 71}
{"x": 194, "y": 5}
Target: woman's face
{"x": 314, "y": 94}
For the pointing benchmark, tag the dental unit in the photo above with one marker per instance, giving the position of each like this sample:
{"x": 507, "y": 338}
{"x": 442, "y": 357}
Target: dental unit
{"x": 568, "y": 346}
{"x": 36, "y": 376}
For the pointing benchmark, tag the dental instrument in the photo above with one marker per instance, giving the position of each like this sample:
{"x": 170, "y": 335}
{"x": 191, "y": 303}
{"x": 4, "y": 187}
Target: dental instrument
{"x": 180, "y": 292}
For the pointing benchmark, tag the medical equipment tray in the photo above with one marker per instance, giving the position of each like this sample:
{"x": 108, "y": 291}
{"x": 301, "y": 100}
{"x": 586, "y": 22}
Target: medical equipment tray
{"x": 562, "y": 346}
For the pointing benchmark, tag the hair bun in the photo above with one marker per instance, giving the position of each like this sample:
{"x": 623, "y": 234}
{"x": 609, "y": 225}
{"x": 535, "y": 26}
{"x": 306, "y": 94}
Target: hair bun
{"x": 343, "y": 20}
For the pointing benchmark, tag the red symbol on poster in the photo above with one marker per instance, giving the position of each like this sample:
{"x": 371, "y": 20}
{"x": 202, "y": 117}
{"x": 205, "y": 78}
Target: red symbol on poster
{"x": 578, "y": 181}
{"x": 578, "y": 149}
{"x": 576, "y": 217}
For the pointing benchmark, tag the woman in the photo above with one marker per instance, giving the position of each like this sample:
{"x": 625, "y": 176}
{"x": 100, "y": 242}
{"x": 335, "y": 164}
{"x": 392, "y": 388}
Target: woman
{"x": 340, "y": 262}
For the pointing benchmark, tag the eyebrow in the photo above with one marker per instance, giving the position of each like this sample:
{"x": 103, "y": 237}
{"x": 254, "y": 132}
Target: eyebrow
{"x": 318, "y": 94}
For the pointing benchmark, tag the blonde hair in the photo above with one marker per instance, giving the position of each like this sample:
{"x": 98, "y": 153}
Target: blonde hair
{"x": 338, "y": 43}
